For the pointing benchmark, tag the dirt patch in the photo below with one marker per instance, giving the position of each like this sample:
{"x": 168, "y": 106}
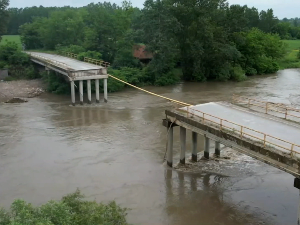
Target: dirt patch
{"x": 20, "y": 89}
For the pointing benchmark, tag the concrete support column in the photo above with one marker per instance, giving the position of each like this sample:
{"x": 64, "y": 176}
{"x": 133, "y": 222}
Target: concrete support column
{"x": 217, "y": 149}
{"x": 170, "y": 147}
{"x": 89, "y": 91}
{"x": 81, "y": 91}
{"x": 194, "y": 146}
{"x": 183, "y": 144}
{"x": 105, "y": 89}
{"x": 97, "y": 90}
{"x": 206, "y": 149}
{"x": 73, "y": 92}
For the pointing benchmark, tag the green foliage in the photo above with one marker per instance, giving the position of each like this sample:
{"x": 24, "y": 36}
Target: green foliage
{"x": 11, "y": 38}
{"x": 4, "y": 16}
{"x": 56, "y": 83}
{"x": 90, "y": 54}
{"x": 72, "y": 209}
{"x": 17, "y": 62}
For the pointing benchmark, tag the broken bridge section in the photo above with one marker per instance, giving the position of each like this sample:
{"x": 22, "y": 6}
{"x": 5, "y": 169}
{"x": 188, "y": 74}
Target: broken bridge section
{"x": 264, "y": 137}
{"x": 74, "y": 70}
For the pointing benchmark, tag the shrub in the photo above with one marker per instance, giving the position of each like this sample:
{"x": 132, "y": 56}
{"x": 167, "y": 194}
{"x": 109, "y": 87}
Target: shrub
{"x": 71, "y": 209}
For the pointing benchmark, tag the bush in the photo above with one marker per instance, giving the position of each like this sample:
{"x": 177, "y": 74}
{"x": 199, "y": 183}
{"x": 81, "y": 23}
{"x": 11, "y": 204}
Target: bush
{"x": 238, "y": 74}
{"x": 56, "y": 83}
{"x": 71, "y": 209}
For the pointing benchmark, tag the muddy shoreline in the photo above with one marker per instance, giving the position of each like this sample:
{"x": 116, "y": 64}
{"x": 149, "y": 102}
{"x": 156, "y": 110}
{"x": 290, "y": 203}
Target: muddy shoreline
{"x": 20, "y": 89}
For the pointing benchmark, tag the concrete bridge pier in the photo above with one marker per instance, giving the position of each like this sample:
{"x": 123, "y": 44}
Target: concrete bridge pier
{"x": 194, "y": 146}
{"x": 97, "y": 90}
{"x": 206, "y": 147}
{"x": 217, "y": 149}
{"x": 297, "y": 185}
{"x": 105, "y": 89}
{"x": 73, "y": 92}
{"x": 170, "y": 147}
{"x": 183, "y": 144}
{"x": 81, "y": 92}
{"x": 89, "y": 91}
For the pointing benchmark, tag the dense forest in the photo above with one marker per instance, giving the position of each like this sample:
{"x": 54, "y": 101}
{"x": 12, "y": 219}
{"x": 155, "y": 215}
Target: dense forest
{"x": 203, "y": 40}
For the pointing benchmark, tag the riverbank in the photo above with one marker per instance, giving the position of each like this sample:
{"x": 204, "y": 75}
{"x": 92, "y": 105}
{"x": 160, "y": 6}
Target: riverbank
{"x": 21, "y": 89}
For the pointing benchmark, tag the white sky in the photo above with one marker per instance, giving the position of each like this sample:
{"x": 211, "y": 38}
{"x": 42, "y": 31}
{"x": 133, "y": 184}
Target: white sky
{"x": 282, "y": 8}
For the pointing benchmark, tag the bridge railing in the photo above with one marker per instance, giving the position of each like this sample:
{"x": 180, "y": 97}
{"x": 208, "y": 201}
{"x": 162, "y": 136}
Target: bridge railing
{"x": 50, "y": 61}
{"x": 243, "y": 132}
{"x": 271, "y": 108}
{"x": 88, "y": 60}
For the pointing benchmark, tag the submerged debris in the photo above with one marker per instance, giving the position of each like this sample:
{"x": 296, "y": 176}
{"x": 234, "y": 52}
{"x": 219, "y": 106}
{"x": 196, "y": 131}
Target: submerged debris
{"x": 16, "y": 100}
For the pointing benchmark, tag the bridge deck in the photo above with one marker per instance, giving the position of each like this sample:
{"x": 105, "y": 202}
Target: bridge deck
{"x": 234, "y": 116}
{"x": 71, "y": 63}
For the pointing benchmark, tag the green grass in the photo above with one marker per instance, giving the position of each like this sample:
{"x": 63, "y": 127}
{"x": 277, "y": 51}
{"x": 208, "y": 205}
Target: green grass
{"x": 291, "y": 59}
{"x": 12, "y": 38}
{"x": 292, "y": 44}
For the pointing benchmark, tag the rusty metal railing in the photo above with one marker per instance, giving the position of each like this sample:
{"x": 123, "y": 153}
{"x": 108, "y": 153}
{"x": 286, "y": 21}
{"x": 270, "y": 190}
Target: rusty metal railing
{"x": 242, "y": 131}
{"x": 49, "y": 61}
{"x": 268, "y": 107}
{"x": 88, "y": 60}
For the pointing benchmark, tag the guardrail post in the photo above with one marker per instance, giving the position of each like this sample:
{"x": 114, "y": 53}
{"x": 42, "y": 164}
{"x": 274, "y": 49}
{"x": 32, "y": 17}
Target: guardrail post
{"x": 286, "y": 111}
{"x": 267, "y": 108}
{"x": 221, "y": 124}
{"x": 242, "y": 131}
{"x": 265, "y": 136}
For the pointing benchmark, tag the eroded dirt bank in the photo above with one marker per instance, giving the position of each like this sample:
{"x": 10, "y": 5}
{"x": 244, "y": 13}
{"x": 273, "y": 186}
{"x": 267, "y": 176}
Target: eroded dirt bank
{"x": 21, "y": 89}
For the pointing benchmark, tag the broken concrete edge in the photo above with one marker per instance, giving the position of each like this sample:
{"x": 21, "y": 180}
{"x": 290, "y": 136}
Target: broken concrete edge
{"x": 272, "y": 157}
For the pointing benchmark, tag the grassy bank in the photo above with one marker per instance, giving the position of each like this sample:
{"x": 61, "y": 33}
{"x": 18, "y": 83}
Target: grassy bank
{"x": 291, "y": 59}
{"x": 12, "y": 38}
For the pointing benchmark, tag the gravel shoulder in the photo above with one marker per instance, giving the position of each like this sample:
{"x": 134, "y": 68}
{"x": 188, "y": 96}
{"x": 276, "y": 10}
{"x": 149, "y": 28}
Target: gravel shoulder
{"x": 20, "y": 89}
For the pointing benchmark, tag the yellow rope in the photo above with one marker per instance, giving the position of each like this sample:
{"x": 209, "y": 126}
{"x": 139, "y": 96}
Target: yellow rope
{"x": 151, "y": 93}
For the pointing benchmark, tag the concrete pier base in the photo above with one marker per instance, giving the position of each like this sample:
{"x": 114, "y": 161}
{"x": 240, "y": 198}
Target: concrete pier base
{"x": 81, "y": 92}
{"x": 217, "y": 149}
{"x": 97, "y": 91}
{"x": 206, "y": 148}
{"x": 170, "y": 147}
{"x": 89, "y": 91}
{"x": 183, "y": 144}
{"x": 194, "y": 146}
{"x": 105, "y": 89}
{"x": 72, "y": 92}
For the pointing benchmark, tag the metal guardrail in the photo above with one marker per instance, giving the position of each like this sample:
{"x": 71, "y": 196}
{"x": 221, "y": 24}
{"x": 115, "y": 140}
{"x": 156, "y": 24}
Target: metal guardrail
{"x": 88, "y": 60}
{"x": 50, "y": 61}
{"x": 243, "y": 131}
{"x": 267, "y": 107}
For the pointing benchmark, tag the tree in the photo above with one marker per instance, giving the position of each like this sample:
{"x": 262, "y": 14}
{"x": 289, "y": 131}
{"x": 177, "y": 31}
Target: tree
{"x": 3, "y": 16}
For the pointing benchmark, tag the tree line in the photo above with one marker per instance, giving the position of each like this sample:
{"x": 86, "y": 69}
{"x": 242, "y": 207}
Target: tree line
{"x": 204, "y": 40}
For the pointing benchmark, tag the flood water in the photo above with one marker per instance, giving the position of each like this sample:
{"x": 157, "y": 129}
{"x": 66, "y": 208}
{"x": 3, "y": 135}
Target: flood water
{"x": 114, "y": 151}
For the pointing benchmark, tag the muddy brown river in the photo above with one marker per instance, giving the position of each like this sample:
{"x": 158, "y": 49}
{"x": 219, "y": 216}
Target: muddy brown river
{"x": 114, "y": 151}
